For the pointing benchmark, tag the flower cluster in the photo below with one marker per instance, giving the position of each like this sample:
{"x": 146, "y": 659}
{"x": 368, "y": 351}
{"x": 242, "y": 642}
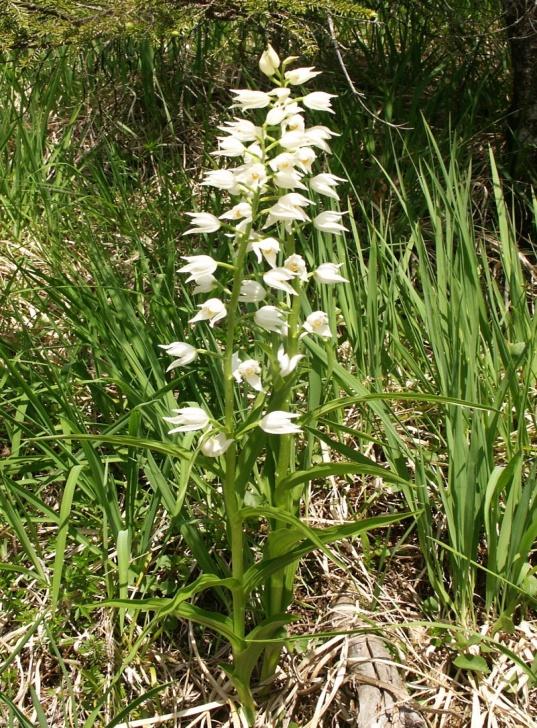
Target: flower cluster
{"x": 268, "y": 185}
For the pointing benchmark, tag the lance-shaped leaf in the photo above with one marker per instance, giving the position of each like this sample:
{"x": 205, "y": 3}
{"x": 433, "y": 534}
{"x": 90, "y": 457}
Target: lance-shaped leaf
{"x": 327, "y": 470}
{"x": 279, "y": 514}
{"x": 260, "y": 572}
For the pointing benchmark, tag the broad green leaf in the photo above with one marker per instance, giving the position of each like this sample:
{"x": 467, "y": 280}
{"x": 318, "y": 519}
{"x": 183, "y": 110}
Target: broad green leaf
{"x": 475, "y": 663}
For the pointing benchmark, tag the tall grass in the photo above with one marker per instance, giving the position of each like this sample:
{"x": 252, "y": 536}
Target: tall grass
{"x": 447, "y": 309}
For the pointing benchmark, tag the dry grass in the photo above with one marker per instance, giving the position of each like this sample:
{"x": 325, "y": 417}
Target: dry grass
{"x": 316, "y": 683}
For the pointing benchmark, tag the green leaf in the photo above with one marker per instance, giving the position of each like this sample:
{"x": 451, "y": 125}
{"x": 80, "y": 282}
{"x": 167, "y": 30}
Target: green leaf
{"x": 279, "y": 514}
{"x": 475, "y": 663}
{"x": 260, "y": 572}
{"x": 61, "y": 540}
{"x": 327, "y": 470}
{"x": 24, "y": 722}
{"x": 394, "y": 397}
{"x": 136, "y": 702}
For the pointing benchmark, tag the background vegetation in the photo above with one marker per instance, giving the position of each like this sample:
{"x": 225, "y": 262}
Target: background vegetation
{"x": 101, "y": 145}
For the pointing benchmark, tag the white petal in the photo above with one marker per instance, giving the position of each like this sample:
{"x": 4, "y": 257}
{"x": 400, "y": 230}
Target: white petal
{"x": 270, "y": 318}
{"x": 319, "y": 101}
{"x": 279, "y": 423}
{"x": 287, "y": 364}
{"x": 249, "y": 99}
{"x": 329, "y": 273}
{"x": 203, "y": 222}
{"x": 298, "y": 76}
{"x": 328, "y": 222}
{"x": 277, "y": 278}
{"x": 251, "y": 292}
{"x": 317, "y": 323}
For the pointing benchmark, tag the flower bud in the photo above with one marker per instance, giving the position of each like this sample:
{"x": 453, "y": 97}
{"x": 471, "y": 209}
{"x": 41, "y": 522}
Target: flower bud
{"x": 188, "y": 419}
{"x": 269, "y": 61}
{"x": 279, "y": 423}
{"x": 251, "y": 292}
{"x": 329, "y": 273}
{"x": 215, "y": 446}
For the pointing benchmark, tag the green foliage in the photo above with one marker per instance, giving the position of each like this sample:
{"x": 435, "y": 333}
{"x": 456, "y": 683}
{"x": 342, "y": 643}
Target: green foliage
{"x": 45, "y": 23}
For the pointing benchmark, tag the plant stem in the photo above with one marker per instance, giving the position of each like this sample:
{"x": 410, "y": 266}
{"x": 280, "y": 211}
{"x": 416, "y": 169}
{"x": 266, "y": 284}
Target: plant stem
{"x": 278, "y": 598}
{"x": 231, "y": 503}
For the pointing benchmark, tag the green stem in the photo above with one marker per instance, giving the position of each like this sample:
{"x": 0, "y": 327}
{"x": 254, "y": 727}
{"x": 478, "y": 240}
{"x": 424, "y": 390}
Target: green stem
{"x": 231, "y": 501}
{"x": 278, "y": 596}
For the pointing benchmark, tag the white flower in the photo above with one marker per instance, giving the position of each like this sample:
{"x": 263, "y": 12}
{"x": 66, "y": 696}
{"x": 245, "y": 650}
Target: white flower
{"x": 291, "y": 107}
{"x": 188, "y": 419}
{"x": 305, "y": 156}
{"x": 276, "y": 115}
{"x": 203, "y": 222}
{"x": 289, "y": 180}
{"x": 287, "y": 364}
{"x": 329, "y": 273}
{"x": 255, "y": 151}
{"x": 249, "y": 370}
{"x": 317, "y": 323}
{"x": 269, "y": 61}
{"x": 199, "y": 266}
{"x": 294, "y": 123}
{"x": 267, "y": 248}
{"x": 229, "y": 146}
{"x": 288, "y": 208}
{"x": 215, "y": 446}
{"x": 252, "y": 175}
{"x": 328, "y": 222}
{"x": 286, "y": 175}
{"x": 324, "y": 184}
{"x": 317, "y": 136}
{"x": 241, "y": 211}
{"x": 204, "y": 284}
{"x": 222, "y": 179}
{"x": 319, "y": 101}
{"x": 270, "y": 318}
{"x": 242, "y": 129}
{"x": 277, "y": 278}
{"x": 282, "y": 94}
{"x": 296, "y": 266}
{"x": 284, "y": 162}
{"x": 279, "y": 423}
{"x": 248, "y": 99}
{"x": 292, "y": 140}
{"x": 300, "y": 75}
{"x": 184, "y": 352}
{"x": 212, "y": 311}
{"x": 252, "y": 292}
{"x": 295, "y": 199}
{"x": 281, "y": 212}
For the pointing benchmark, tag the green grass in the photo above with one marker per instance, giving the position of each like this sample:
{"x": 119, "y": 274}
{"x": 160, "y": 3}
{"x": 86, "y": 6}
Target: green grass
{"x": 99, "y": 148}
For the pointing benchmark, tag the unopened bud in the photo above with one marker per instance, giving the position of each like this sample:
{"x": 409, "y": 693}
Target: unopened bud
{"x": 269, "y": 61}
